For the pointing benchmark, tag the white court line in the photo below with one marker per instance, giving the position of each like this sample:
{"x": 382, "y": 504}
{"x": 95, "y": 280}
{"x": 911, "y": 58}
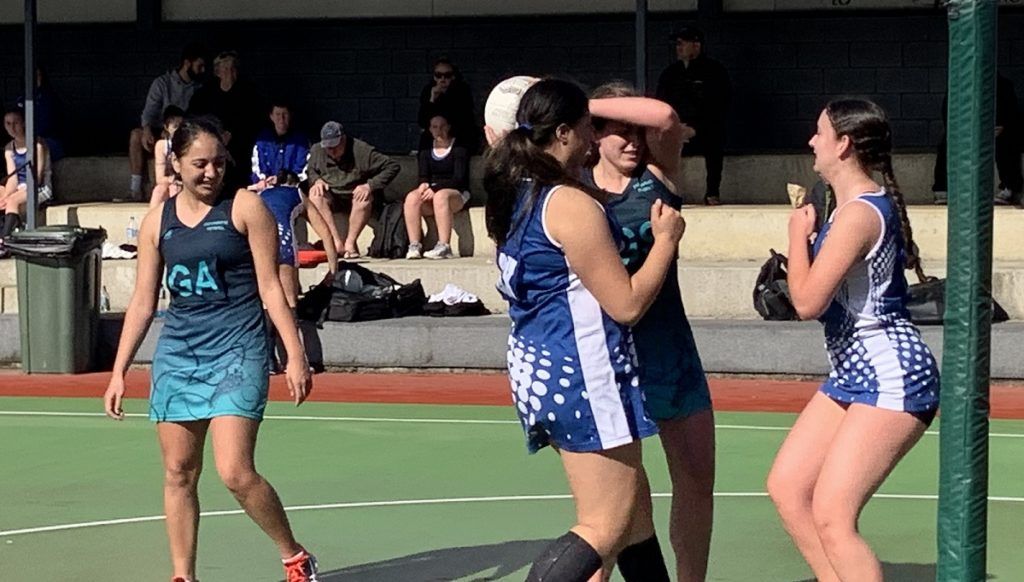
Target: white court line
{"x": 417, "y": 502}
{"x": 423, "y": 421}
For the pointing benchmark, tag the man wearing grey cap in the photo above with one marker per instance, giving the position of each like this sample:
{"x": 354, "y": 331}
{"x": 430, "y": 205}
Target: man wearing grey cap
{"x": 344, "y": 175}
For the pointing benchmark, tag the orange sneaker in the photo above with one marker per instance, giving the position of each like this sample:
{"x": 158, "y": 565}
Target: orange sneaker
{"x": 301, "y": 568}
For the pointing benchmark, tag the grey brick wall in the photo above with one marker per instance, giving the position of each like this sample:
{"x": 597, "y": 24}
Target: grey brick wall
{"x": 368, "y": 74}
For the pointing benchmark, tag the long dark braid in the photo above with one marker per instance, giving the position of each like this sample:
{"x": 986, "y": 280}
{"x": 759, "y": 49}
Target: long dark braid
{"x": 867, "y": 126}
{"x": 910, "y": 247}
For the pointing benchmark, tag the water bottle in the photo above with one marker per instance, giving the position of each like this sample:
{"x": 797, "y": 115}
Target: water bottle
{"x": 104, "y": 300}
{"x": 132, "y": 232}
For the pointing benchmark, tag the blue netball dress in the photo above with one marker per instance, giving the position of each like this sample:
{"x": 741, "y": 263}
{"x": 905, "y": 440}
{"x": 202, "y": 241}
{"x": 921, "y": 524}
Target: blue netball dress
{"x": 877, "y": 355}
{"x": 211, "y": 358}
{"x": 671, "y": 374}
{"x": 285, "y": 203}
{"x": 572, "y": 368}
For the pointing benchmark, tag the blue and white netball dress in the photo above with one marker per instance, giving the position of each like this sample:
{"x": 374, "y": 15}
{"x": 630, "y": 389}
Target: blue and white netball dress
{"x": 572, "y": 368}
{"x": 285, "y": 204}
{"x": 671, "y": 374}
{"x": 877, "y": 355}
{"x": 211, "y": 358}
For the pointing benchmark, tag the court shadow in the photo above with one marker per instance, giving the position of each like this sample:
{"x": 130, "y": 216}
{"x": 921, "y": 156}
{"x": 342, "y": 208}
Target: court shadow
{"x": 490, "y": 562}
{"x": 908, "y": 572}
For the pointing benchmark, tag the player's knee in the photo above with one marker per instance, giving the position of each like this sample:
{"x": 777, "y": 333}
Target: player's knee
{"x": 181, "y": 475}
{"x": 788, "y": 499}
{"x": 238, "y": 480}
{"x": 833, "y": 523}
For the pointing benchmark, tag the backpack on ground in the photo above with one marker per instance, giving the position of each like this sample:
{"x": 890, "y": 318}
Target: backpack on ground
{"x": 390, "y": 239}
{"x": 771, "y": 291}
{"x": 927, "y": 303}
{"x": 359, "y": 294}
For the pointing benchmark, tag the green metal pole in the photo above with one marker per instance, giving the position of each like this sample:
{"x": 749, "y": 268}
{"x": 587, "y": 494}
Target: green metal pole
{"x": 963, "y": 483}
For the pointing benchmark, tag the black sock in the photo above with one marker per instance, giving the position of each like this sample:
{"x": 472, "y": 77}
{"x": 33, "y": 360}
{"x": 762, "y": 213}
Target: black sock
{"x": 568, "y": 559}
{"x": 643, "y": 562}
{"x": 11, "y": 222}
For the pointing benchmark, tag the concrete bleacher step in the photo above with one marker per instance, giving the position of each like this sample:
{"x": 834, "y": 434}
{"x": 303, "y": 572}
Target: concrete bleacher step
{"x": 746, "y": 179}
{"x": 719, "y": 290}
{"x": 722, "y": 233}
{"x": 729, "y": 347}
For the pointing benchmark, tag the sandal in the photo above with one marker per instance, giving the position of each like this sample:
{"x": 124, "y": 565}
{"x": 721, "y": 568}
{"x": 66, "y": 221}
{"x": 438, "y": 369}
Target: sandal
{"x": 350, "y": 255}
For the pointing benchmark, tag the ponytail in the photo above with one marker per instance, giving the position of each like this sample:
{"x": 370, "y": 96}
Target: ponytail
{"x": 913, "y": 259}
{"x": 508, "y": 164}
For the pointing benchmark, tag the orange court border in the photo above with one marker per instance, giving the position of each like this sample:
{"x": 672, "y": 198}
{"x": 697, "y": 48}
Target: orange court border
{"x": 729, "y": 393}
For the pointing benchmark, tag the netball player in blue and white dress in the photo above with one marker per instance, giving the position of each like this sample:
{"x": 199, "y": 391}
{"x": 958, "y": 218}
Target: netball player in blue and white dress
{"x": 571, "y": 359}
{"x": 883, "y": 390}
{"x": 210, "y": 366}
{"x": 638, "y": 163}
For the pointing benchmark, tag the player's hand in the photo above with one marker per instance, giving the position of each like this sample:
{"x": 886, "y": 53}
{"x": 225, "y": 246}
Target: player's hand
{"x": 427, "y": 195}
{"x": 113, "y": 396}
{"x": 666, "y": 222}
{"x": 688, "y": 133}
{"x": 801, "y": 222}
{"x": 270, "y": 181}
{"x": 492, "y": 136}
{"x": 435, "y": 92}
{"x": 319, "y": 188}
{"x": 300, "y": 383}
{"x": 361, "y": 193}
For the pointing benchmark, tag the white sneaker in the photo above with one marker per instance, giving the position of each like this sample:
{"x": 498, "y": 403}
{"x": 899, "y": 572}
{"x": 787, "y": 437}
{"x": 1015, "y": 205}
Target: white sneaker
{"x": 1004, "y": 196}
{"x": 415, "y": 251}
{"x": 440, "y": 251}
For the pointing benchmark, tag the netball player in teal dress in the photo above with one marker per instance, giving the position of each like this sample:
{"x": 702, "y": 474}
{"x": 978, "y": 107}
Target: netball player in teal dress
{"x": 210, "y": 367}
{"x": 638, "y": 142}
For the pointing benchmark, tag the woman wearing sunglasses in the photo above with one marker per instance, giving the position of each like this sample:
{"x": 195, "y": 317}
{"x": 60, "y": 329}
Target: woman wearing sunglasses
{"x": 449, "y": 96}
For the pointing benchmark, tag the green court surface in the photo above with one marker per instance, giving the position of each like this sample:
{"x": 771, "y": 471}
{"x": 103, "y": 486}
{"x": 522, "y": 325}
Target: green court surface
{"x": 417, "y": 493}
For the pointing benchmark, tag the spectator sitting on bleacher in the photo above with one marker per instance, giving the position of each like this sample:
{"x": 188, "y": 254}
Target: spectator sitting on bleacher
{"x": 14, "y": 194}
{"x": 346, "y": 174}
{"x": 174, "y": 87}
{"x": 448, "y": 95}
{"x": 443, "y": 191}
{"x": 167, "y": 183}
{"x": 236, "y": 104}
{"x": 278, "y": 149}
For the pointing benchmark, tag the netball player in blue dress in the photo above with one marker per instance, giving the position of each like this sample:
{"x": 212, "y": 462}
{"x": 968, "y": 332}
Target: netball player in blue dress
{"x": 210, "y": 368}
{"x": 571, "y": 359}
{"x": 883, "y": 390}
{"x": 638, "y": 143}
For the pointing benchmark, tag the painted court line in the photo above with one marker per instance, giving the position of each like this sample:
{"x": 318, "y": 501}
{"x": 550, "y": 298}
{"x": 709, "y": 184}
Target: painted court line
{"x": 422, "y": 502}
{"x": 420, "y": 421}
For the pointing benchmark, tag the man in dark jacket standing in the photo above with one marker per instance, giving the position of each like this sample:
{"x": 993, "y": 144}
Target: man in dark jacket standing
{"x": 698, "y": 88}
{"x": 346, "y": 174}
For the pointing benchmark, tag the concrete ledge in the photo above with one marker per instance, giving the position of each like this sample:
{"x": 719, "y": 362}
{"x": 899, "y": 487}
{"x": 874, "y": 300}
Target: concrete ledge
{"x": 723, "y": 233}
{"x": 741, "y": 347}
{"x": 718, "y": 290}
{"x": 749, "y": 179}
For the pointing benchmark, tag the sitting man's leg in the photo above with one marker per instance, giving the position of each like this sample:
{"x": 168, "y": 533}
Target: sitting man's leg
{"x": 322, "y": 204}
{"x": 137, "y": 152}
{"x": 358, "y": 218}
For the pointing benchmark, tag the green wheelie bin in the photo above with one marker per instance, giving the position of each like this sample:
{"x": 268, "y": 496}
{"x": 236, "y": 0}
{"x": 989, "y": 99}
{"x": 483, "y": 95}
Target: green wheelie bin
{"x": 59, "y": 270}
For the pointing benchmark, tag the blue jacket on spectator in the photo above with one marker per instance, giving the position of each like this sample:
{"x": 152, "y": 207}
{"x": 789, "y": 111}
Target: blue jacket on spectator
{"x": 273, "y": 153}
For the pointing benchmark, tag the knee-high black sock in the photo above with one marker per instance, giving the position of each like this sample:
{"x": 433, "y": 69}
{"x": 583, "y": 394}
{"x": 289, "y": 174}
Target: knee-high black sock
{"x": 643, "y": 562}
{"x": 11, "y": 222}
{"x": 568, "y": 559}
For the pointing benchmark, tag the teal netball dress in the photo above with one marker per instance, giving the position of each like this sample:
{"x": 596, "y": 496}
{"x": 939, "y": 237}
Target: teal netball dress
{"x": 211, "y": 358}
{"x": 671, "y": 373}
